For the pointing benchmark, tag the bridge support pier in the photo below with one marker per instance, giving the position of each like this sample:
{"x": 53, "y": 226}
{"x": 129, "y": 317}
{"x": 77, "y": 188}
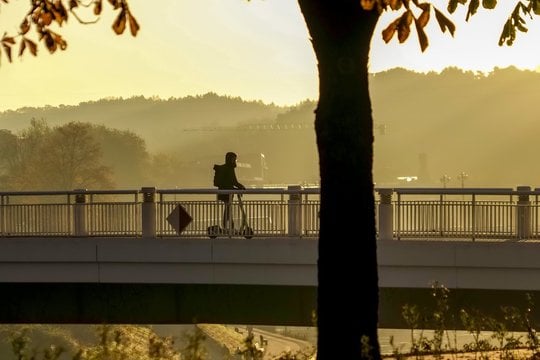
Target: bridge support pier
{"x": 295, "y": 212}
{"x": 386, "y": 215}
{"x": 523, "y": 213}
{"x": 79, "y": 216}
{"x": 149, "y": 212}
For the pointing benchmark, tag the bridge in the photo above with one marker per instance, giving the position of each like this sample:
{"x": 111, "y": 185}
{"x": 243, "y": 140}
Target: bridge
{"x": 115, "y": 256}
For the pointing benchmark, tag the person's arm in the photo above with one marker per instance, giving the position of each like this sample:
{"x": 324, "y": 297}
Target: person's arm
{"x": 237, "y": 184}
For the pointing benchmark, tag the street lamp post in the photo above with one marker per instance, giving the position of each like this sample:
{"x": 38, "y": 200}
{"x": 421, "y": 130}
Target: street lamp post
{"x": 445, "y": 179}
{"x": 462, "y": 177}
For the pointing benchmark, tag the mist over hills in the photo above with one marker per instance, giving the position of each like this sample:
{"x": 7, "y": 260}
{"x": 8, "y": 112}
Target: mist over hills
{"x": 487, "y": 126}
{"x": 426, "y": 125}
{"x": 162, "y": 123}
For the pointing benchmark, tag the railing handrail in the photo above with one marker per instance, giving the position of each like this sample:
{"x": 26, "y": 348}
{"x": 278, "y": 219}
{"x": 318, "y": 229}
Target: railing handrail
{"x": 455, "y": 191}
{"x": 260, "y": 191}
{"x": 285, "y": 191}
{"x": 277, "y": 190}
{"x": 68, "y": 192}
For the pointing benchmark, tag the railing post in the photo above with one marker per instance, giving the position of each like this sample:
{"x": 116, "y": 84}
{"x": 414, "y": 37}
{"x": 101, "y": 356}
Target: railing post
{"x": 523, "y": 212}
{"x": 3, "y": 201}
{"x": 149, "y": 212}
{"x": 386, "y": 214}
{"x": 79, "y": 215}
{"x": 295, "y": 211}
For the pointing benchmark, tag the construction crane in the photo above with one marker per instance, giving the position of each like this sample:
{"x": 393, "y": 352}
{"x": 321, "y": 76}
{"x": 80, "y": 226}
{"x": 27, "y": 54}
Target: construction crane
{"x": 255, "y": 127}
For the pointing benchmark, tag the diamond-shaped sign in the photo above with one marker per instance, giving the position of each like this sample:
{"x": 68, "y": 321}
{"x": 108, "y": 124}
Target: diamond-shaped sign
{"x": 179, "y": 219}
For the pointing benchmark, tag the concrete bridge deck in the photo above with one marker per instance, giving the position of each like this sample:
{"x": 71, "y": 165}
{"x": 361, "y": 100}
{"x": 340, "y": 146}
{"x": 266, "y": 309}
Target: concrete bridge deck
{"x": 236, "y": 280}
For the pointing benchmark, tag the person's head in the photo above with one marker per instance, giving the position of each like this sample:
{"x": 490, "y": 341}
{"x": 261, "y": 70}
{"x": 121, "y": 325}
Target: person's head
{"x": 230, "y": 159}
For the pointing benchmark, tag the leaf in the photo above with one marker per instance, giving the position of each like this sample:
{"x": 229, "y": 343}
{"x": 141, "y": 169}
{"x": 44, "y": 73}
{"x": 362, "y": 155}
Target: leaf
{"x": 423, "y": 19}
{"x": 32, "y": 46}
{"x": 423, "y": 6}
{"x": 73, "y": 4}
{"x": 444, "y": 22}
{"x": 489, "y": 4}
{"x": 59, "y": 12}
{"x": 473, "y": 7}
{"x": 22, "y": 48}
{"x": 536, "y": 7}
{"x": 49, "y": 42}
{"x": 422, "y": 38}
{"x": 367, "y": 4}
{"x": 58, "y": 17}
{"x": 7, "y": 50}
{"x": 115, "y": 3}
{"x": 8, "y": 40}
{"x": 521, "y": 27}
{"x": 25, "y": 26}
{"x": 133, "y": 25}
{"x": 98, "y": 7}
{"x": 46, "y": 18}
{"x": 388, "y": 33}
{"x": 119, "y": 24}
{"x": 60, "y": 41}
{"x": 404, "y": 26}
{"x": 395, "y": 4}
{"x": 452, "y": 6}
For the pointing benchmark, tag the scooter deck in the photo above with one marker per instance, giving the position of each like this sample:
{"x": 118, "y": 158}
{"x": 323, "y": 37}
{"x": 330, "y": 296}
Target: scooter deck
{"x": 215, "y": 230}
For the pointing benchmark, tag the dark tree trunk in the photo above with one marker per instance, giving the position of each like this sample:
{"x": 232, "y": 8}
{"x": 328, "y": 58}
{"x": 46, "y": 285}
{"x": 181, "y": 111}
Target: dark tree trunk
{"x": 348, "y": 292}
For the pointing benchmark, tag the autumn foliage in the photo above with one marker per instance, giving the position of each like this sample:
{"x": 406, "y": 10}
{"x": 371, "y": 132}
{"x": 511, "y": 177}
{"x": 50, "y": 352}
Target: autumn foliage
{"x": 418, "y": 13}
{"x": 43, "y": 13}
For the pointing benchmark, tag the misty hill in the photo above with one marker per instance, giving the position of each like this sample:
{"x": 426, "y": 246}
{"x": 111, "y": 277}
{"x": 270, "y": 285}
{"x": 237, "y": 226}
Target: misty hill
{"x": 484, "y": 125}
{"x": 162, "y": 123}
{"x": 426, "y": 125}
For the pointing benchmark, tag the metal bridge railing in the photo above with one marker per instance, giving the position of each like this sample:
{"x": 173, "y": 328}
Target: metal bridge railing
{"x": 471, "y": 213}
{"x": 289, "y": 211}
{"x": 402, "y": 213}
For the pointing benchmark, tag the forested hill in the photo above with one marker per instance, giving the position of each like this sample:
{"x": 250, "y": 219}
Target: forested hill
{"x": 160, "y": 122}
{"x": 486, "y": 125}
{"x": 426, "y": 125}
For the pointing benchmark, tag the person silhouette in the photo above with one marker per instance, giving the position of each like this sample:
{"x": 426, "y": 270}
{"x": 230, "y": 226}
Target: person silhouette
{"x": 225, "y": 179}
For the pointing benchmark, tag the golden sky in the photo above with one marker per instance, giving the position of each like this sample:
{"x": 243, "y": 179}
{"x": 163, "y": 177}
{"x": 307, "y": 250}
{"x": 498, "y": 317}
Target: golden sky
{"x": 258, "y": 50}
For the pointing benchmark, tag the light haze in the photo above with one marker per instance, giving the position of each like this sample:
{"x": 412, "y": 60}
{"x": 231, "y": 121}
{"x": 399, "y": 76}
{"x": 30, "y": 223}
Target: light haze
{"x": 258, "y": 50}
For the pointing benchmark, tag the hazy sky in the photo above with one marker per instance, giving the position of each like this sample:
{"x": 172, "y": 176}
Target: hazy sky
{"x": 256, "y": 50}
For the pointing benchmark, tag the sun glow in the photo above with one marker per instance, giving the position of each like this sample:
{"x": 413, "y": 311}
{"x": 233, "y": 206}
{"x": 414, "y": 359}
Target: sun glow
{"x": 258, "y": 50}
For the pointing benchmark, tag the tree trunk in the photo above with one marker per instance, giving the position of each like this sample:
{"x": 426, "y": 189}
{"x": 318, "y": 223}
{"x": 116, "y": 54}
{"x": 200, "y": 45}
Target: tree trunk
{"x": 348, "y": 292}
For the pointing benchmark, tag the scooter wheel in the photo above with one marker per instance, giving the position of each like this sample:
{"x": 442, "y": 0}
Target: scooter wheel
{"x": 248, "y": 233}
{"x": 213, "y": 231}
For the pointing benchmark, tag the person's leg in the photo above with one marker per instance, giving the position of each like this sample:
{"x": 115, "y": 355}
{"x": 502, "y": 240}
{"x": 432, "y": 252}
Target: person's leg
{"x": 226, "y": 215}
{"x": 228, "y": 222}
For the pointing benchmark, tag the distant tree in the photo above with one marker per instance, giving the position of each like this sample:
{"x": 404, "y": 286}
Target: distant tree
{"x": 167, "y": 169}
{"x": 8, "y": 146}
{"x": 73, "y": 159}
{"x": 125, "y": 153}
{"x": 63, "y": 158}
{"x": 341, "y": 33}
{"x": 23, "y": 157}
